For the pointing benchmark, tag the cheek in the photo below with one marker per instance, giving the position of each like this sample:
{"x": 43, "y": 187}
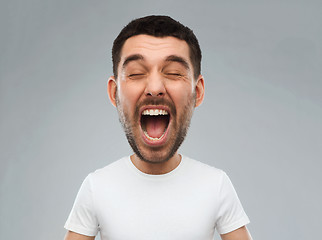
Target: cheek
{"x": 180, "y": 93}
{"x": 129, "y": 94}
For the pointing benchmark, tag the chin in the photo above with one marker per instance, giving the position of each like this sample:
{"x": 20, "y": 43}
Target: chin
{"x": 156, "y": 158}
{"x": 155, "y": 155}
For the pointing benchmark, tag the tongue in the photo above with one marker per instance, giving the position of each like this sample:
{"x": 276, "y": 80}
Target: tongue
{"x": 155, "y": 126}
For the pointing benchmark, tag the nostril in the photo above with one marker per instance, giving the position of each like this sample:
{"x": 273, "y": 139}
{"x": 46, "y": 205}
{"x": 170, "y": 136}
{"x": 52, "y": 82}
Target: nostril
{"x": 160, "y": 94}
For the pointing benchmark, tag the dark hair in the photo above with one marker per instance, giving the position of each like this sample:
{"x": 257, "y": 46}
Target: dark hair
{"x": 158, "y": 26}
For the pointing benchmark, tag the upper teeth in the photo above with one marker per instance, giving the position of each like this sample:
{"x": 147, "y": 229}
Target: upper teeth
{"x": 155, "y": 112}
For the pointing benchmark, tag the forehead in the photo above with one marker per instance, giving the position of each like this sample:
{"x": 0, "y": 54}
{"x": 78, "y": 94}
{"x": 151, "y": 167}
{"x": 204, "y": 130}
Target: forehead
{"x": 156, "y": 48}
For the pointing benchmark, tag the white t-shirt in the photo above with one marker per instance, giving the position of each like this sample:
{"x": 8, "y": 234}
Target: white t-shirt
{"x": 123, "y": 203}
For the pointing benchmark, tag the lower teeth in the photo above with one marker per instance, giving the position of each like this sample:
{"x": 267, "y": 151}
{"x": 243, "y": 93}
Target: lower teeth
{"x": 151, "y": 138}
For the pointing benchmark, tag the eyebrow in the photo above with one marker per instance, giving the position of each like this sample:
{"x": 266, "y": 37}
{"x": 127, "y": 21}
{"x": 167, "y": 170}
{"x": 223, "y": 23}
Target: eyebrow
{"x": 171, "y": 58}
{"x": 175, "y": 58}
{"x": 132, "y": 58}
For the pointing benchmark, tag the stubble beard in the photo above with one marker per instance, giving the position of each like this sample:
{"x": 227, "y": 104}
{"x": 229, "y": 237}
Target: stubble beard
{"x": 158, "y": 156}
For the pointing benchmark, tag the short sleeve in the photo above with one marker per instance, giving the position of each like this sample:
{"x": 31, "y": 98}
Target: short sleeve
{"x": 82, "y": 218}
{"x": 231, "y": 213}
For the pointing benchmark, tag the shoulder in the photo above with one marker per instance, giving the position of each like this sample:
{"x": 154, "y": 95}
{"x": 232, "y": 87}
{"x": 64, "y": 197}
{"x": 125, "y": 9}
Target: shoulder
{"x": 199, "y": 166}
{"x": 203, "y": 171}
{"x": 111, "y": 171}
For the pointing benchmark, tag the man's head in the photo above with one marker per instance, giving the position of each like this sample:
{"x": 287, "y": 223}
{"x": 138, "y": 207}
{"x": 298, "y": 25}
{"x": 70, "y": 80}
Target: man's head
{"x": 156, "y": 88}
{"x": 158, "y": 26}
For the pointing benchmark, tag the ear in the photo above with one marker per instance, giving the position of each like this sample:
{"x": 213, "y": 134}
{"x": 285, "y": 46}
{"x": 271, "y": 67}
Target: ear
{"x": 200, "y": 90}
{"x": 112, "y": 89}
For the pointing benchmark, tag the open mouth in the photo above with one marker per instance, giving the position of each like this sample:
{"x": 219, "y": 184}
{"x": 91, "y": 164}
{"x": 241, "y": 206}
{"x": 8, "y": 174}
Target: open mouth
{"x": 154, "y": 123}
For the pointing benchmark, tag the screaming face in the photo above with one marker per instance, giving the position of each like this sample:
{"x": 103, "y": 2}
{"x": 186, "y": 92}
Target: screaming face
{"x": 157, "y": 128}
{"x": 155, "y": 95}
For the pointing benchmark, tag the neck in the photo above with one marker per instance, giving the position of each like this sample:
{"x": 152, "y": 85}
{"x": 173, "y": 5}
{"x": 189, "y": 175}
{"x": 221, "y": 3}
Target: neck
{"x": 156, "y": 168}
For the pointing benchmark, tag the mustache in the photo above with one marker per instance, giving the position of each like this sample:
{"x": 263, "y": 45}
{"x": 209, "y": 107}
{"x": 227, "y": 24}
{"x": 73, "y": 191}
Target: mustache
{"x": 156, "y": 101}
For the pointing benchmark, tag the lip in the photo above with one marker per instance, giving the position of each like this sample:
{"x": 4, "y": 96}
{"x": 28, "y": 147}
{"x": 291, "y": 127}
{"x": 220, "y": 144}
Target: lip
{"x": 164, "y": 138}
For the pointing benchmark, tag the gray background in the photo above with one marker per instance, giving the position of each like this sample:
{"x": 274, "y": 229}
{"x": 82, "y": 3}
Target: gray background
{"x": 260, "y": 121}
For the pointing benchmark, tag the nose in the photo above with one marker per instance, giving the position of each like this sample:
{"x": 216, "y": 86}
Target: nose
{"x": 155, "y": 85}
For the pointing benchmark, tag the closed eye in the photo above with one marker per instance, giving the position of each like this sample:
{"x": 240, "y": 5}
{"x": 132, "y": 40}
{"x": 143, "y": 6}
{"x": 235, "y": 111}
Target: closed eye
{"x": 174, "y": 74}
{"x": 135, "y": 76}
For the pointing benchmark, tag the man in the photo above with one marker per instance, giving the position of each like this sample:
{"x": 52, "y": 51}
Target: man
{"x": 156, "y": 193}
